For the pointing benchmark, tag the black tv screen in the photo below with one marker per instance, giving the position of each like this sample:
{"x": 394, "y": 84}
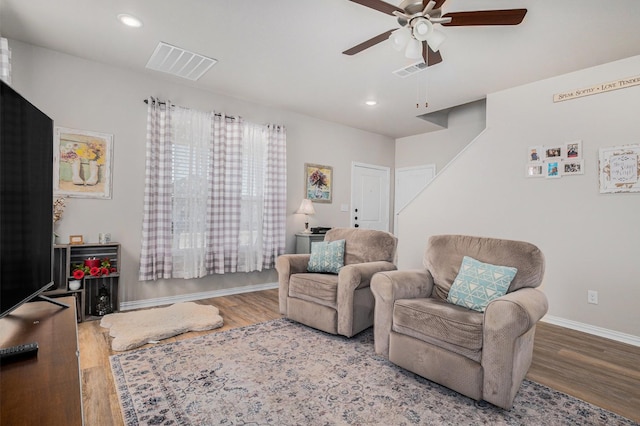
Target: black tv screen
{"x": 26, "y": 200}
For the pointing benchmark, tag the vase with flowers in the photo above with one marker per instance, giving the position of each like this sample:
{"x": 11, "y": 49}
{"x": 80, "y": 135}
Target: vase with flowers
{"x": 93, "y": 267}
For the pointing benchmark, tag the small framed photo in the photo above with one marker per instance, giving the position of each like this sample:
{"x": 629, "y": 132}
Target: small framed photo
{"x": 535, "y": 170}
{"x": 318, "y": 183}
{"x": 572, "y": 167}
{"x": 76, "y": 239}
{"x": 535, "y": 154}
{"x": 552, "y": 153}
{"x": 553, "y": 169}
{"x": 573, "y": 150}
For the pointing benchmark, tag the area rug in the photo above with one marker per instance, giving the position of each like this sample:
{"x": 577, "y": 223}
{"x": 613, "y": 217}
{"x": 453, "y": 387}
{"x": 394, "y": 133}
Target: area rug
{"x": 283, "y": 373}
{"x": 133, "y": 329}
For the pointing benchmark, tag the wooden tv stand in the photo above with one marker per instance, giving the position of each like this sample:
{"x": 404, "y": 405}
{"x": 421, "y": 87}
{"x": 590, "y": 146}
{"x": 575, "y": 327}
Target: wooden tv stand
{"x": 43, "y": 389}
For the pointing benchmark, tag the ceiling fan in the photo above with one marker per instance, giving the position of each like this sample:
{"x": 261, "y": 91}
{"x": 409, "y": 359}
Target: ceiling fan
{"x": 417, "y": 35}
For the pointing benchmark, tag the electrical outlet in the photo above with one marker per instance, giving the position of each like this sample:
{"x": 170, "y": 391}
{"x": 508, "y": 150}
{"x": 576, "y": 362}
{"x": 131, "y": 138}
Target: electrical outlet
{"x": 592, "y": 297}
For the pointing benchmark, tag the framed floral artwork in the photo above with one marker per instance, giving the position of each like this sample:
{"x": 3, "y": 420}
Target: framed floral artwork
{"x": 318, "y": 183}
{"x": 82, "y": 163}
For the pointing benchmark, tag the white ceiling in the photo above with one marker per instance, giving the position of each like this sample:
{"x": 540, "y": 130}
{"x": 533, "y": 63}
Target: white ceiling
{"x": 287, "y": 53}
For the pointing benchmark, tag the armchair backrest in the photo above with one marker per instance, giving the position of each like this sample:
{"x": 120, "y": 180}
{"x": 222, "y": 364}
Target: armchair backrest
{"x": 444, "y": 254}
{"x": 364, "y": 245}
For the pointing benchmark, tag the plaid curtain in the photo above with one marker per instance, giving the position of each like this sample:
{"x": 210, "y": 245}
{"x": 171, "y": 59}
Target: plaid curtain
{"x": 225, "y": 195}
{"x": 275, "y": 196}
{"x": 5, "y": 61}
{"x": 155, "y": 257}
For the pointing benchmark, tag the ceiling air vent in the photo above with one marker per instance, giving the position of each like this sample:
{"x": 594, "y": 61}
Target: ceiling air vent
{"x": 410, "y": 70}
{"x": 177, "y": 61}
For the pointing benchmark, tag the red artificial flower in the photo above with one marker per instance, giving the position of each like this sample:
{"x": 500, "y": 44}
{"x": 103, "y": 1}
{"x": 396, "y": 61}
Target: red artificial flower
{"x": 95, "y": 271}
{"x": 112, "y": 270}
{"x": 78, "y": 274}
{"x": 104, "y": 271}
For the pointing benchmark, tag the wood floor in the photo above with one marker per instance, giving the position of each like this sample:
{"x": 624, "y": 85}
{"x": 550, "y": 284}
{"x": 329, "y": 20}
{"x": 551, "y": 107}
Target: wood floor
{"x": 603, "y": 372}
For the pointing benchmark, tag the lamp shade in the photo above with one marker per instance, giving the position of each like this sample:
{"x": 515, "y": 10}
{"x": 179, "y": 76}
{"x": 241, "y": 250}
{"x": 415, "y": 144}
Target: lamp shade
{"x": 306, "y": 207}
{"x": 435, "y": 40}
{"x": 422, "y": 29}
{"x": 400, "y": 38}
{"x": 414, "y": 49}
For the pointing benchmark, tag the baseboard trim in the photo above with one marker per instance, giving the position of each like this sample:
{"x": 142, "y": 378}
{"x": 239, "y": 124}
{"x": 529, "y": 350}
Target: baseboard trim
{"x": 592, "y": 329}
{"x": 150, "y": 303}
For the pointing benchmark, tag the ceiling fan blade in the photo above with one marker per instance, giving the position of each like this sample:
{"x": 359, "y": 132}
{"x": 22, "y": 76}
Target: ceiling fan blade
{"x": 430, "y": 57}
{"x": 438, "y": 5}
{"x": 367, "y": 44}
{"x": 485, "y": 17}
{"x": 379, "y": 5}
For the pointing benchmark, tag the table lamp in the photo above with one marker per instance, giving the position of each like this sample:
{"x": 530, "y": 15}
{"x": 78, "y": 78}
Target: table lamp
{"x": 306, "y": 208}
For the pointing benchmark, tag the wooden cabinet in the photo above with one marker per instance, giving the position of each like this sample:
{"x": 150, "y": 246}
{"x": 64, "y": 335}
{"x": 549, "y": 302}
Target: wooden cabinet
{"x": 44, "y": 389}
{"x": 97, "y": 295}
{"x": 303, "y": 241}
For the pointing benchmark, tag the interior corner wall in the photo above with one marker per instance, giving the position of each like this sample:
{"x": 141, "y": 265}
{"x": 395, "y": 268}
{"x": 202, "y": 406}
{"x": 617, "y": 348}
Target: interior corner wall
{"x": 464, "y": 124}
{"x": 590, "y": 240}
{"x": 88, "y": 95}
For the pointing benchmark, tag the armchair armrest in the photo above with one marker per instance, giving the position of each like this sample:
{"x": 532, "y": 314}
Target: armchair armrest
{"x": 286, "y": 265}
{"x": 507, "y": 349}
{"x": 351, "y": 278}
{"x": 387, "y": 287}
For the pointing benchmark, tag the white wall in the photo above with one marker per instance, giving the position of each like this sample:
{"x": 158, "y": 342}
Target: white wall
{"x": 590, "y": 240}
{"x": 465, "y": 123}
{"x": 92, "y": 96}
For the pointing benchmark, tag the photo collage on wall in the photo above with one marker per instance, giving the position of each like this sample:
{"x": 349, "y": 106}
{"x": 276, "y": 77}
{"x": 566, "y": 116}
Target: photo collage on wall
{"x": 555, "y": 161}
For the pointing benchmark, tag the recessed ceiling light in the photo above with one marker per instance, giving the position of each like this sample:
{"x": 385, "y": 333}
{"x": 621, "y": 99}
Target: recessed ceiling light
{"x": 371, "y": 103}
{"x": 130, "y": 21}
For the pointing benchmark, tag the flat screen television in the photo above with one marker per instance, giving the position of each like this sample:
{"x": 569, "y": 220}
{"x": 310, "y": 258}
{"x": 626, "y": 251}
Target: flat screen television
{"x": 26, "y": 200}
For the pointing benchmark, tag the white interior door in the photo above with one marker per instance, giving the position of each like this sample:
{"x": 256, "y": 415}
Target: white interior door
{"x": 410, "y": 181}
{"x": 370, "y": 196}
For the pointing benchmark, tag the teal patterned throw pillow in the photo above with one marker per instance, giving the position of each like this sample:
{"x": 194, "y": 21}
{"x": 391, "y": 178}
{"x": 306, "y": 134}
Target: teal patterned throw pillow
{"x": 479, "y": 283}
{"x": 326, "y": 256}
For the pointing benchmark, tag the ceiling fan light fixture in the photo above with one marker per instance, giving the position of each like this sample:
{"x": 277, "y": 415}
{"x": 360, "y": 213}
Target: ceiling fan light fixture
{"x": 435, "y": 40}
{"x": 400, "y": 38}
{"x": 422, "y": 29}
{"x": 414, "y": 49}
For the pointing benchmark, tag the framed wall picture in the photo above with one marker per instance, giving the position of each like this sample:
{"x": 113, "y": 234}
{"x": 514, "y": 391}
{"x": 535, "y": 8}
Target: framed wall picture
{"x": 82, "y": 163}
{"x": 552, "y": 153}
{"x": 619, "y": 169}
{"x": 553, "y": 169}
{"x": 573, "y": 150}
{"x": 535, "y": 154}
{"x": 318, "y": 183}
{"x": 535, "y": 170}
{"x": 572, "y": 167}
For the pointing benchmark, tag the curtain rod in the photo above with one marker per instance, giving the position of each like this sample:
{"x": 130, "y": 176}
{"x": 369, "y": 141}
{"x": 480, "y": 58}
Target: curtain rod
{"x": 217, "y": 114}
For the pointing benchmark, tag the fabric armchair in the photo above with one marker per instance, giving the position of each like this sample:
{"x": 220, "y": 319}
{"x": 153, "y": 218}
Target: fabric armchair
{"x": 339, "y": 303}
{"x": 483, "y": 355}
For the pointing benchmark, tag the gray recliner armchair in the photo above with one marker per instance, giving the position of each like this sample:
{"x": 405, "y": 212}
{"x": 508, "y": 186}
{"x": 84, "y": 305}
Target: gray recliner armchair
{"x": 483, "y": 355}
{"x": 339, "y": 303}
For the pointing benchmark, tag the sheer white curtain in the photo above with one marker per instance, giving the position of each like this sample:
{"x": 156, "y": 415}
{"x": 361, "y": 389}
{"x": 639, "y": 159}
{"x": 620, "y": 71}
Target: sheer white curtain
{"x": 191, "y": 173}
{"x": 5, "y": 60}
{"x": 254, "y": 149}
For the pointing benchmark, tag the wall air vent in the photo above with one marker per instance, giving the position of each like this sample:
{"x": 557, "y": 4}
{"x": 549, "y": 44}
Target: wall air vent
{"x": 177, "y": 61}
{"x": 410, "y": 70}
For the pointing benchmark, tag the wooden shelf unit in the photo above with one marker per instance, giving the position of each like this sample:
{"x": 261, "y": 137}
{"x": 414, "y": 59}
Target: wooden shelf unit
{"x": 65, "y": 256}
